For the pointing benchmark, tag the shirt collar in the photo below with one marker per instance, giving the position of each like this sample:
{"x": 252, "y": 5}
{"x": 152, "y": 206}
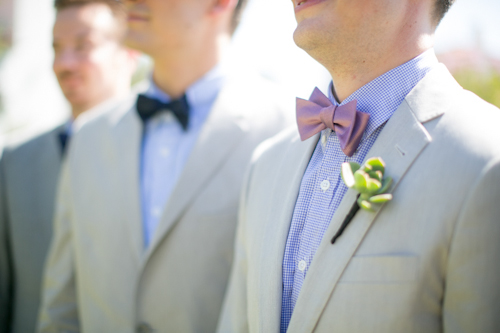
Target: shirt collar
{"x": 67, "y": 127}
{"x": 381, "y": 97}
{"x": 202, "y": 92}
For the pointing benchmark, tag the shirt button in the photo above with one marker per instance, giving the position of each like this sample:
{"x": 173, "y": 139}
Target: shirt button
{"x": 302, "y": 265}
{"x": 325, "y": 185}
{"x": 323, "y": 139}
{"x": 156, "y": 212}
{"x": 164, "y": 152}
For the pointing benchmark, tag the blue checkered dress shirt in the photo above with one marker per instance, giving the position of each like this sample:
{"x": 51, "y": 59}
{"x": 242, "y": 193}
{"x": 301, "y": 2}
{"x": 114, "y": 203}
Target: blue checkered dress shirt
{"x": 322, "y": 189}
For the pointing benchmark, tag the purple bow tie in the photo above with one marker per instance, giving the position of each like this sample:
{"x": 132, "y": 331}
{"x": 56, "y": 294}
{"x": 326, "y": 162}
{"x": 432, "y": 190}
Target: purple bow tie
{"x": 318, "y": 113}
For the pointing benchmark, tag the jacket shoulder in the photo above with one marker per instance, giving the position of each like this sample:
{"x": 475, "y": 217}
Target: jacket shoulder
{"x": 29, "y": 144}
{"x": 457, "y": 120}
{"x": 472, "y": 124}
{"x": 105, "y": 115}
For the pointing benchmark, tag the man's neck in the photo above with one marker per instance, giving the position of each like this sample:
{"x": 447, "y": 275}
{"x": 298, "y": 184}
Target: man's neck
{"x": 175, "y": 72}
{"x": 350, "y": 76}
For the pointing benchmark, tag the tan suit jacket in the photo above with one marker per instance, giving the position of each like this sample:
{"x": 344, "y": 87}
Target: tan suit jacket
{"x": 428, "y": 261}
{"x": 99, "y": 276}
{"x": 29, "y": 173}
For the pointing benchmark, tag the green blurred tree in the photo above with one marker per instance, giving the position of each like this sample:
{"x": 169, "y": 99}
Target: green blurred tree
{"x": 4, "y": 44}
{"x": 484, "y": 84}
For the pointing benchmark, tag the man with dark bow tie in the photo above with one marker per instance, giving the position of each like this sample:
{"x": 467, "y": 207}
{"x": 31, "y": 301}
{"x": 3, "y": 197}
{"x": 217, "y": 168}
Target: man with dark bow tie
{"x": 307, "y": 258}
{"x": 94, "y": 70}
{"x": 148, "y": 201}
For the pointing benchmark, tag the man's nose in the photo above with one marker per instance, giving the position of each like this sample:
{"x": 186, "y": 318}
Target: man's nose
{"x": 65, "y": 60}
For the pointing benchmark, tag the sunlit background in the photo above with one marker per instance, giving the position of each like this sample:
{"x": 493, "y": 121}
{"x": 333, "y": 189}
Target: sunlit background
{"x": 467, "y": 41}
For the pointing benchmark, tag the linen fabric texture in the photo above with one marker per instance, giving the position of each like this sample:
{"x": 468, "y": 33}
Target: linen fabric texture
{"x": 29, "y": 173}
{"x": 316, "y": 204}
{"x": 427, "y": 261}
{"x": 99, "y": 276}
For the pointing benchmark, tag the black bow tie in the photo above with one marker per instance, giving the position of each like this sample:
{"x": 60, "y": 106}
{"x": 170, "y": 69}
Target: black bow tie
{"x": 148, "y": 107}
{"x": 63, "y": 140}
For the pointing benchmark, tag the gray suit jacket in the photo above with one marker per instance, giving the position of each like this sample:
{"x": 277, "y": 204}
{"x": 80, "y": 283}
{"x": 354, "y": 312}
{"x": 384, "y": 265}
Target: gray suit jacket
{"x": 100, "y": 277}
{"x": 427, "y": 261}
{"x": 28, "y": 180}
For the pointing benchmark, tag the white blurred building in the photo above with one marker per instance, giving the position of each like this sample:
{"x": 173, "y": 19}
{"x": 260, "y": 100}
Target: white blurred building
{"x": 31, "y": 97}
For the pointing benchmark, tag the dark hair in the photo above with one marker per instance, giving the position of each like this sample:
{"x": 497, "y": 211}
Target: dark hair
{"x": 116, "y": 6}
{"x": 440, "y": 9}
{"x": 237, "y": 14}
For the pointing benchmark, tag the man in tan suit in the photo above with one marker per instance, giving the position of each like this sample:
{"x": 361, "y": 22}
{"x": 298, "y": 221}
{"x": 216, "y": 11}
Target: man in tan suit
{"x": 93, "y": 69}
{"x": 148, "y": 202}
{"x": 426, "y": 261}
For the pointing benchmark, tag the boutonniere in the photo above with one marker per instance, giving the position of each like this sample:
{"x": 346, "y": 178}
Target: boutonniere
{"x": 371, "y": 184}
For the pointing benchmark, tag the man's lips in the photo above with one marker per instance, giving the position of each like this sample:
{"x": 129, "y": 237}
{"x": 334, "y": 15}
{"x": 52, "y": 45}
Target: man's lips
{"x": 301, "y": 4}
{"x": 70, "y": 82}
{"x": 135, "y": 17}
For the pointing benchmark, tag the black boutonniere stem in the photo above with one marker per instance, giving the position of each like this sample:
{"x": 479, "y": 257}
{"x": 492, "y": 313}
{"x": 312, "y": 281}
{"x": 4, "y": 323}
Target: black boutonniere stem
{"x": 369, "y": 181}
{"x": 347, "y": 220}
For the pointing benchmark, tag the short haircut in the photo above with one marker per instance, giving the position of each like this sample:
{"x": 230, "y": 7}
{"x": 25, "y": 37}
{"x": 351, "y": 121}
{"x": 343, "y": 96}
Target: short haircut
{"x": 441, "y": 7}
{"x": 238, "y": 11}
{"x": 116, "y": 7}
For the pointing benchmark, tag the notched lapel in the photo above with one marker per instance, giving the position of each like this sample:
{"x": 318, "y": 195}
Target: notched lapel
{"x": 285, "y": 189}
{"x": 399, "y": 144}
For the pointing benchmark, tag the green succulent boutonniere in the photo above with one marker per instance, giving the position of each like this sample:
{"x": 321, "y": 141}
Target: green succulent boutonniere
{"x": 371, "y": 184}
{"x": 369, "y": 181}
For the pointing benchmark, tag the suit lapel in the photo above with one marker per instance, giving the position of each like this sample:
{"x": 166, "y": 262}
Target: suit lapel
{"x": 222, "y": 132}
{"x": 277, "y": 228}
{"x": 399, "y": 144}
{"x": 127, "y": 138}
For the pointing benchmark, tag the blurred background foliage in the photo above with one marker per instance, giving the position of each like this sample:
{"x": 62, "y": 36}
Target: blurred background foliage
{"x": 484, "y": 84}
{"x": 4, "y": 45}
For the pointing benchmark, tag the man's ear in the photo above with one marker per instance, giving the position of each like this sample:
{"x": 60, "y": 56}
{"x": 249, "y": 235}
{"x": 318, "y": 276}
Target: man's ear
{"x": 220, "y": 6}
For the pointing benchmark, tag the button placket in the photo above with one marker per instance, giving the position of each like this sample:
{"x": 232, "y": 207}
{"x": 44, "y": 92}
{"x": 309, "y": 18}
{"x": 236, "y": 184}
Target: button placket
{"x": 156, "y": 212}
{"x": 164, "y": 152}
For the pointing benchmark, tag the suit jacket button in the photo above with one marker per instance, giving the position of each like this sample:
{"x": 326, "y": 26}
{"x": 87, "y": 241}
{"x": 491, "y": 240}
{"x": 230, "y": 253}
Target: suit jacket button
{"x": 144, "y": 328}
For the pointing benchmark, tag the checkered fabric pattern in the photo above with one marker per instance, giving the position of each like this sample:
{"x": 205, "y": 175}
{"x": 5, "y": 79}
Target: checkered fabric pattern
{"x": 322, "y": 188}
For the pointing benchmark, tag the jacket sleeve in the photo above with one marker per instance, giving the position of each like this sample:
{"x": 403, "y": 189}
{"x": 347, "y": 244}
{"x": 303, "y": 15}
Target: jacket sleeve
{"x": 472, "y": 289}
{"x": 58, "y": 311}
{"x": 6, "y": 274}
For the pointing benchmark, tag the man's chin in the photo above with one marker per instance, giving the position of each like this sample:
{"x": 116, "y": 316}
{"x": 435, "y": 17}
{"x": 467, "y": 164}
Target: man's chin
{"x": 137, "y": 41}
{"x": 76, "y": 100}
{"x": 304, "y": 37}
{"x": 312, "y": 43}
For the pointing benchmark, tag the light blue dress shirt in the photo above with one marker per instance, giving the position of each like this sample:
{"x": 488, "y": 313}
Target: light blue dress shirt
{"x": 166, "y": 146}
{"x": 322, "y": 189}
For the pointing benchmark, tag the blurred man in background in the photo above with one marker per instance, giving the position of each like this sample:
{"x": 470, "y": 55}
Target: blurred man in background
{"x": 94, "y": 70}
{"x": 149, "y": 199}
